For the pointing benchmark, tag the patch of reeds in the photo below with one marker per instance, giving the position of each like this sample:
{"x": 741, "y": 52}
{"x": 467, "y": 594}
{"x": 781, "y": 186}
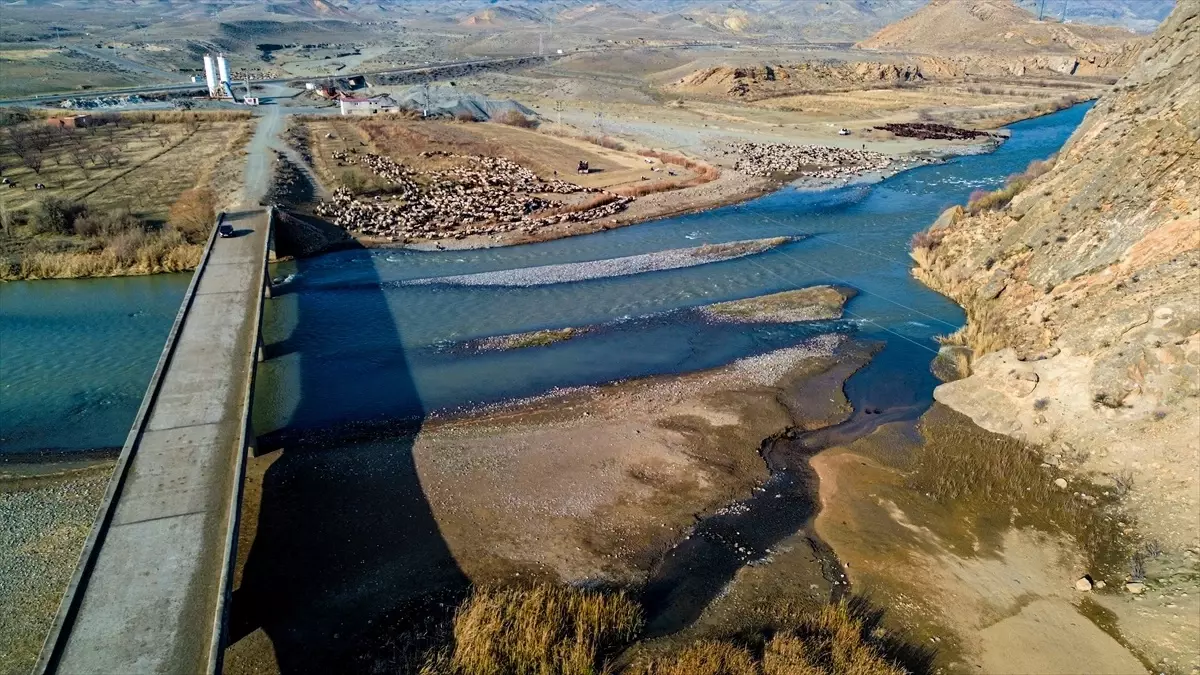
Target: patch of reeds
{"x": 990, "y": 201}
{"x": 835, "y": 640}
{"x": 702, "y": 173}
{"x": 561, "y": 630}
{"x": 646, "y": 188}
{"x": 543, "y": 629}
{"x": 705, "y": 173}
{"x": 130, "y": 252}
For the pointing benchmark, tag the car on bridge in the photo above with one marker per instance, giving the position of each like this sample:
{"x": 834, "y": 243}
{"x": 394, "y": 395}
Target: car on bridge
{"x": 224, "y": 230}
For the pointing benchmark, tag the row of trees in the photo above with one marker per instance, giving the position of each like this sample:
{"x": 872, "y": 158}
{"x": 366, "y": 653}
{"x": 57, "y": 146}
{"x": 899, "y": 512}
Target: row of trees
{"x": 97, "y": 145}
{"x": 191, "y": 216}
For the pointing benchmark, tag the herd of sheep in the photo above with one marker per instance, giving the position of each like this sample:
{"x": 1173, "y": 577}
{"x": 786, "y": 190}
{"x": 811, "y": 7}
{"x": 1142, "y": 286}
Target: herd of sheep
{"x": 477, "y": 195}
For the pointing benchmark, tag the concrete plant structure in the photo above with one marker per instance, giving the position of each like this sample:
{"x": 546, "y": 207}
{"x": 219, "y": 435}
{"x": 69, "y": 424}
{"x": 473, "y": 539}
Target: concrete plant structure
{"x": 210, "y": 75}
{"x": 216, "y": 76}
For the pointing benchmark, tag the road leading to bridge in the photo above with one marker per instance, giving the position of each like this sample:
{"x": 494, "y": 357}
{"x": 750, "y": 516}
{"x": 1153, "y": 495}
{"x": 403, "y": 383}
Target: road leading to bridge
{"x": 149, "y": 594}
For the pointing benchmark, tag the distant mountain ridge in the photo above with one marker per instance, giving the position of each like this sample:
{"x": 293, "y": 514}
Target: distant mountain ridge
{"x": 786, "y": 20}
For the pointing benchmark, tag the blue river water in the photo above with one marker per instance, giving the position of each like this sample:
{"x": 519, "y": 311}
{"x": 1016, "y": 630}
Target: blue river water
{"x": 350, "y": 343}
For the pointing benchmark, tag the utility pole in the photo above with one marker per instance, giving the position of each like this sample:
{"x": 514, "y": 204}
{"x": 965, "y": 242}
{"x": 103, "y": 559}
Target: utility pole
{"x": 425, "y": 99}
{"x": 558, "y": 108}
{"x": 540, "y": 50}
{"x": 1064, "y": 16}
{"x": 1042, "y": 10}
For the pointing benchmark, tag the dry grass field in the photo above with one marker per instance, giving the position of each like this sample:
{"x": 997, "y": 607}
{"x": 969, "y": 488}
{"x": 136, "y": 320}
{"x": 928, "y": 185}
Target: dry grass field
{"x": 100, "y": 201}
{"x": 549, "y": 152}
{"x": 41, "y": 70}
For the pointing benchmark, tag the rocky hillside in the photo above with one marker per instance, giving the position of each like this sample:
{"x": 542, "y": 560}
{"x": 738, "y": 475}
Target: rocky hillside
{"x": 1083, "y": 291}
{"x": 1002, "y": 31}
{"x": 760, "y": 81}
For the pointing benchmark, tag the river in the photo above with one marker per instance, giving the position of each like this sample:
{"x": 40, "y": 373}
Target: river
{"x": 352, "y": 344}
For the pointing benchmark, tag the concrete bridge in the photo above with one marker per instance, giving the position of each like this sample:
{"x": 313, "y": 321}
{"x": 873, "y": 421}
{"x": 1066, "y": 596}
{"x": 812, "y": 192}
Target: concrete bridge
{"x": 153, "y": 581}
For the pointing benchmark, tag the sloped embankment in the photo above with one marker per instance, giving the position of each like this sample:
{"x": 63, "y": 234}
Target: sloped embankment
{"x": 1082, "y": 292}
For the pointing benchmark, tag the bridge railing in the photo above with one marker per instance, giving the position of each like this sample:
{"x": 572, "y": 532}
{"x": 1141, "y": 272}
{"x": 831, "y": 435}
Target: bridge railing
{"x": 68, "y": 608}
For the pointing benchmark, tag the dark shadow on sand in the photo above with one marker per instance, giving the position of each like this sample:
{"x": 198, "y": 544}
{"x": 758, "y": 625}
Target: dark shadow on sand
{"x": 345, "y": 534}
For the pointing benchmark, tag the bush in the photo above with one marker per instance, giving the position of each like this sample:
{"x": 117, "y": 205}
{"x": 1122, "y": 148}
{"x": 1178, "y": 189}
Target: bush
{"x": 55, "y": 215}
{"x": 193, "y": 215}
{"x": 605, "y": 142}
{"x": 515, "y": 119}
{"x": 465, "y": 116}
{"x": 13, "y": 116}
{"x": 107, "y": 224}
{"x": 928, "y": 239}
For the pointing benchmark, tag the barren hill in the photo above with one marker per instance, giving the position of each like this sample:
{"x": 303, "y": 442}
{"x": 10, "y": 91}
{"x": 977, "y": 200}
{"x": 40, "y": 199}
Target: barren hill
{"x": 1083, "y": 292}
{"x": 955, "y": 26}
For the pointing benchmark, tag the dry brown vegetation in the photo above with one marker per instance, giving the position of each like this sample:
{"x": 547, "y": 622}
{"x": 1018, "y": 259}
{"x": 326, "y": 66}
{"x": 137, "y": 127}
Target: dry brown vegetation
{"x": 702, "y": 173}
{"x": 515, "y": 119}
{"x": 990, "y": 201}
{"x": 129, "y": 195}
{"x": 589, "y": 203}
{"x": 831, "y": 641}
{"x": 561, "y": 630}
{"x": 542, "y": 151}
{"x": 544, "y": 629}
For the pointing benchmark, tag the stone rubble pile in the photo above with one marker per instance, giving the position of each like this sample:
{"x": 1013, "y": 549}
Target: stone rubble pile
{"x": 814, "y": 161}
{"x": 482, "y": 196}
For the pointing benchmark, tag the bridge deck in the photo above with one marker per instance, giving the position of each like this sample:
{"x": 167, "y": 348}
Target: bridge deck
{"x": 149, "y": 594}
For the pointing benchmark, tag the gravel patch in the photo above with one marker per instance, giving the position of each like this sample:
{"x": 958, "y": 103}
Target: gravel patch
{"x": 612, "y": 267}
{"x": 816, "y": 303}
{"x": 43, "y": 522}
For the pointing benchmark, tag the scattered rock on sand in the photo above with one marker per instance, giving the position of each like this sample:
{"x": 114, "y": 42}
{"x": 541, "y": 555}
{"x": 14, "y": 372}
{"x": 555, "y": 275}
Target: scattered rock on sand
{"x": 1135, "y": 587}
{"x": 1083, "y": 584}
{"x": 1061, "y": 483}
{"x": 611, "y": 267}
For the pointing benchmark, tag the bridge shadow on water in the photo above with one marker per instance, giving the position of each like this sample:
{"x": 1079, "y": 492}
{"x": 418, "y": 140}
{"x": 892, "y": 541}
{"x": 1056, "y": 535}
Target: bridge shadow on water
{"x": 345, "y": 537}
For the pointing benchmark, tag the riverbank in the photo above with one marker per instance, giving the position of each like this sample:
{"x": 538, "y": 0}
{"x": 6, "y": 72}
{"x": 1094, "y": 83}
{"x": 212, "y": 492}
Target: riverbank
{"x": 592, "y": 484}
{"x": 981, "y": 554}
{"x": 44, "y": 519}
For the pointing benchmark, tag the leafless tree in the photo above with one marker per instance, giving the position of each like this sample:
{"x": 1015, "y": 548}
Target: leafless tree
{"x": 109, "y": 155}
{"x": 33, "y": 161}
{"x": 80, "y": 159}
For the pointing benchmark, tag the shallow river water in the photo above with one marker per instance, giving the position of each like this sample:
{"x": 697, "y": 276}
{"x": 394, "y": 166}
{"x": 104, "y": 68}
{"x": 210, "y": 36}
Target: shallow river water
{"x": 352, "y": 343}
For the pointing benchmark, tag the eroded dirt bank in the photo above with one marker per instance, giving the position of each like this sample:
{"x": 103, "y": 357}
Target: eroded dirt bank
{"x": 969, "y": 542}
{"x": 1080, "y": 287}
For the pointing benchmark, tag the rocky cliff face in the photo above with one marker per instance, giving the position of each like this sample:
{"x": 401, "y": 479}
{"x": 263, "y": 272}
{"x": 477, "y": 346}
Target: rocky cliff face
{"x": 1083, "y": 293}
